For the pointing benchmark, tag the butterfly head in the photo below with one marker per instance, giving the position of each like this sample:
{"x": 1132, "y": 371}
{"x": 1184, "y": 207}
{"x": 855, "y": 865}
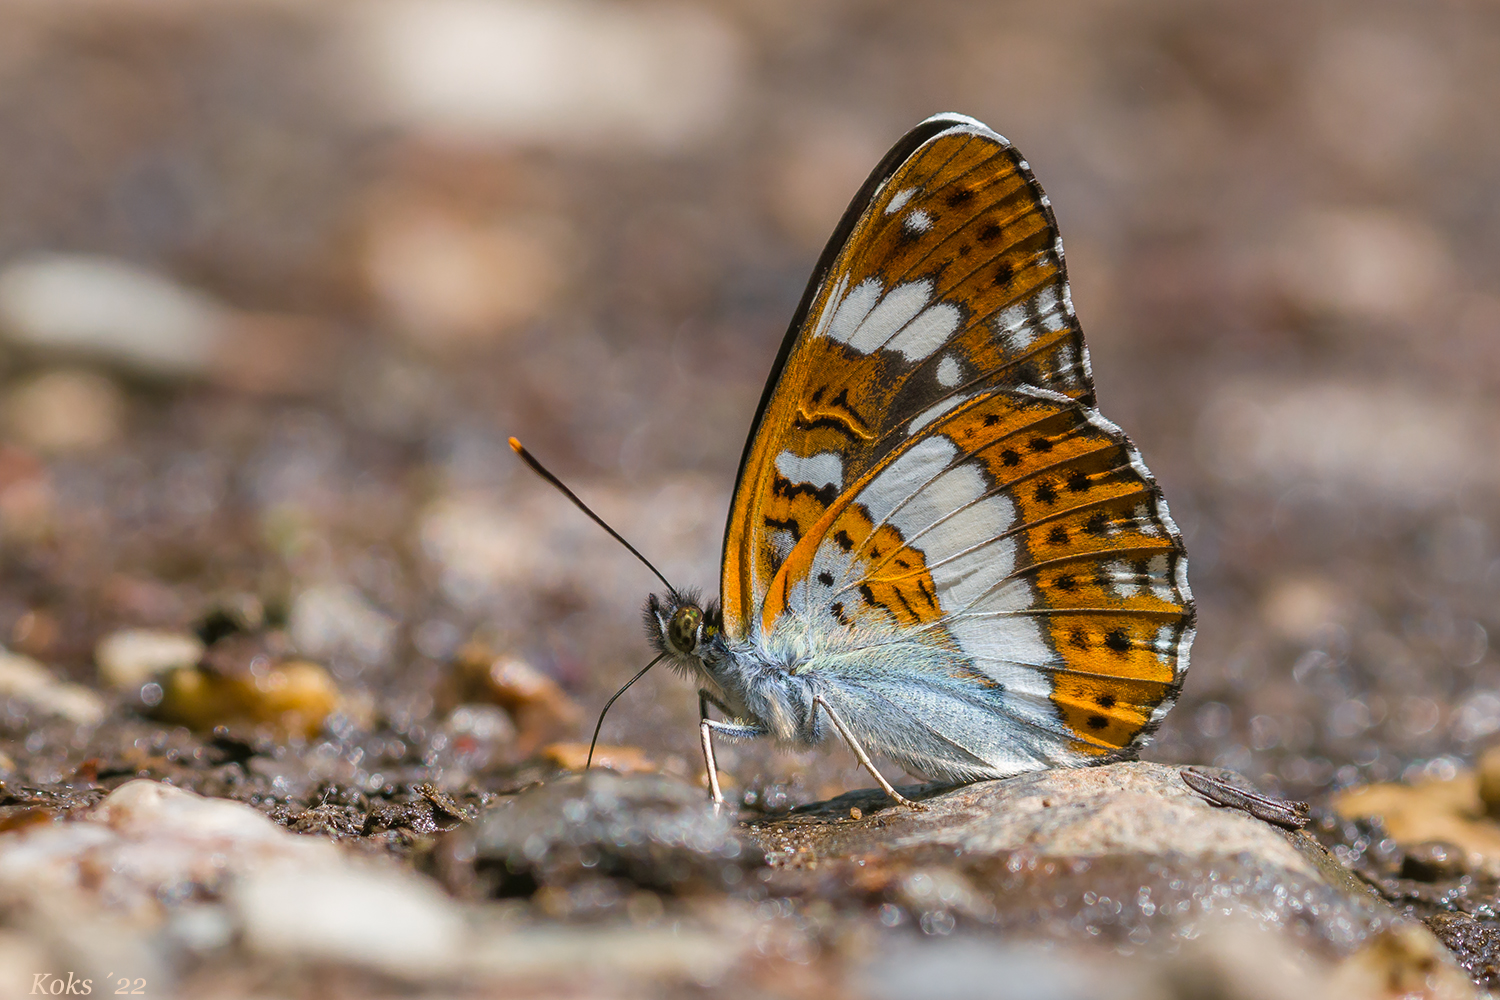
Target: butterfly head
{"x": 681, "y": 626}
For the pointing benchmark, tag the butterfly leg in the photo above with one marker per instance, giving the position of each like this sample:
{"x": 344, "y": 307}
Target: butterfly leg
{"x": 864, "y": 758}
{"x": 706, "y": 728}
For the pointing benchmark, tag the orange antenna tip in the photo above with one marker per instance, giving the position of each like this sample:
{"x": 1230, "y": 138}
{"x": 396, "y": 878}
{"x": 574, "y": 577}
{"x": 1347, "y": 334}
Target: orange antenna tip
{"x": 516, "y": 446}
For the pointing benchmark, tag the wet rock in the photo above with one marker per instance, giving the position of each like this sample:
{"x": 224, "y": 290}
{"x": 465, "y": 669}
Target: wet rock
{"x": 1474, "y": 942}
{"x": 291, "y": 697}
{"x": 65, "y": 411}
{"x": 210, "y": 871}
{"x": 1125, "y": 853}
{"x": 1449, "y": 812}
{"x": 647, "y": 831}
{"x": 26, "y": 680}
{"x": 147, "y": 844}
{"x": 336, "y": 620}
{"x": 128, "y": 658}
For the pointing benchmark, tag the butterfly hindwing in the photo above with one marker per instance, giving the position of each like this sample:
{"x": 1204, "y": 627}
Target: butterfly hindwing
{"x": 927, "y": 461}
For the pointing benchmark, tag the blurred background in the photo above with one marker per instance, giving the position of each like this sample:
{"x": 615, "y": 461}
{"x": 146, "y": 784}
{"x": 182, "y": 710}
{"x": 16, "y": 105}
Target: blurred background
{"x": 278, "y": 279}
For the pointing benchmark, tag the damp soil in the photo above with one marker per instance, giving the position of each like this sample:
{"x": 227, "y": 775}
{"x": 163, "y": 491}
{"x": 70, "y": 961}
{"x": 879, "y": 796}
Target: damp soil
{"x": 1223, "y": 176}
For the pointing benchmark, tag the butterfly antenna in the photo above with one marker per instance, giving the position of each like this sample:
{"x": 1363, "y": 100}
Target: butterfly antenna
{"x": 541, "y": 470}
{"x": 600, "y": 724}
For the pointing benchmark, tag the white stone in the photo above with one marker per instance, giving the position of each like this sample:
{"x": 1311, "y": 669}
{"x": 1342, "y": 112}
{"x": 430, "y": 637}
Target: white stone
{"x": 567, "y": 73}
{"x": 130, "y": 657}
{"x": 110, "y": 311}
{"x": 23, "y": 678}
{"x": 386, "y": 920}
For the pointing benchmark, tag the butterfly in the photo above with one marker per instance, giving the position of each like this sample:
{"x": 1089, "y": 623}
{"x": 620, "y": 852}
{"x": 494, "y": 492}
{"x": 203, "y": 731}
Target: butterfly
{"x": 937, "y": 547}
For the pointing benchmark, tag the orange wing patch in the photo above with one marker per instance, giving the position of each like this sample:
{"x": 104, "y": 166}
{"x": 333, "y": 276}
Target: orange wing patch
{"x": 948, "y": 282}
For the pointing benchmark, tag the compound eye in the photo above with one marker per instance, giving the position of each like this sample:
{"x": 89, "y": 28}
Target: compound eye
{"x": 684, "y": 629}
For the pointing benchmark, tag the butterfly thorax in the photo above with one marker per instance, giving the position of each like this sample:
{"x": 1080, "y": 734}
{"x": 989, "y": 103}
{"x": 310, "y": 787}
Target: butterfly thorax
{"x": 745, "y": 681}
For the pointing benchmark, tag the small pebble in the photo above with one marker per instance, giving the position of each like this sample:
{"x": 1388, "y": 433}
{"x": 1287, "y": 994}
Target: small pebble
{"x": 294, "y": 697}
{"x": 1433, "y": 860}
{"x": 393, "y": 921}
{"x": 625, "y": 760}
{"x": 28, "y": 681}
{"x": 1489, "y": 781}
{"x": 128, "y": 658}
{"x": 65, "y": 411}
{"x": 542, "y": 709}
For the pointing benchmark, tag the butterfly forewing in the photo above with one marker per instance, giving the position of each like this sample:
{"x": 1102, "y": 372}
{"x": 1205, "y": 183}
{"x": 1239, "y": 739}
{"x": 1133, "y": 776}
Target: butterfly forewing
{"x": 928, "y": 463}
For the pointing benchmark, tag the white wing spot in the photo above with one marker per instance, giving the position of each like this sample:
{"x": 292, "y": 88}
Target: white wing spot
{"x": 1014, "y": 328}
{"x": 879, "y": 324}
{"x": 1145, "y": 524}
{"x": 853, "y": 310}
{"x": 1166, "y": 645}
{"x": 1122, "y": 578}
{"x": 917, "y": 221}
{"x": 1161, "y": 579}
{"x": 926, "y": 333}
{"x": 949, "y": 372}
{"x": 930, "y": 414}
{"x": 831, "y": 306}
{"x": 825, "y": 468}
{"x": 899, "y": 200}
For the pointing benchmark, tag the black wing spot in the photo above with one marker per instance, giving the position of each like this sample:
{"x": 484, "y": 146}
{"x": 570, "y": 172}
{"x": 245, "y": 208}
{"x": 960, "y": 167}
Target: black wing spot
{"x": 989, "y": 233}
{"x": 1078, "y": 482}
{"x": 1097, "y": 525}
{"x": 838, "y": 612}
{"x": 964, "y": 250}
{"x": 1058, "y": 536}
{"x": 1079, "y": 638}
{"x": 990, "y": 420}
{"x": 903, "y": 563}
{"x": 867, "y": 594}
{"x": 1010, "y": 457}
{"x": 1066, "y": 583}
{"x": 788, "y": 525}
{"x": 1041, "y": 444}
{"x": 845, "y": 542}
{"x": 1117, "y": 640}
{"x": 1045, "y": 493}
{"x": 825, "y": 578}
{"x": 959, "y": 197}
{"x": 1098, "y": 722}
{"x": 1105, "y": 701}
{"x": 1004, "y": 274}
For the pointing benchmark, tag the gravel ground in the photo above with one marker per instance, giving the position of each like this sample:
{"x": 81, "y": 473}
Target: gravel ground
{"x": 277, "y": 282}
